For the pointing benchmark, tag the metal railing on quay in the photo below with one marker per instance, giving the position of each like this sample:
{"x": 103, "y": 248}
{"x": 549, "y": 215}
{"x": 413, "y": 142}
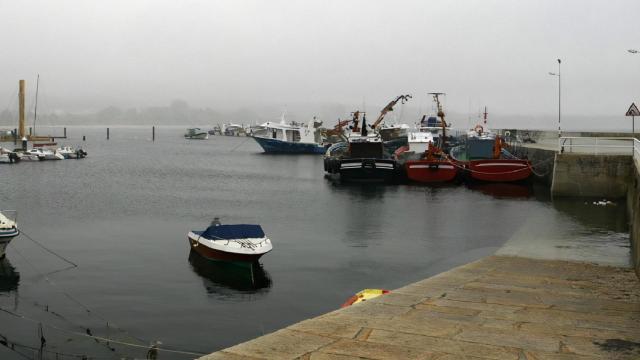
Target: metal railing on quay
{"x": 599, "y": 145}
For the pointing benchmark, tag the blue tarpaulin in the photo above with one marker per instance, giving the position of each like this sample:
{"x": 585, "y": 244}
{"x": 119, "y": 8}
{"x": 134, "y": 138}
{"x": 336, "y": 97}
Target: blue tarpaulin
{"x": 229, "y": 232}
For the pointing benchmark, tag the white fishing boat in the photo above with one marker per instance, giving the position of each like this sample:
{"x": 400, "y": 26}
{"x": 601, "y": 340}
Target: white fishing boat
{"x": 244, "y": 243}
{"x": 8, "y": 230}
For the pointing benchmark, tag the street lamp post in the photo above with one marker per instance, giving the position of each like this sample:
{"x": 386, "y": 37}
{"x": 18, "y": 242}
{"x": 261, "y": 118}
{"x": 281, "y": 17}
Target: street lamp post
{"x": 559, "y": 103}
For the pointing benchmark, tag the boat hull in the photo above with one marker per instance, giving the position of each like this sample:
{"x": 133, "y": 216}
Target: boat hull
{"x": 202, "y": 136}
{"x": 276, "y": 146}
{"x": 200, "y": 246}
{"x": 5, "y": 238}
{"x": 431, "y": 171}
{"x": 379, "y": 170}
{"x": 499, "y": 170}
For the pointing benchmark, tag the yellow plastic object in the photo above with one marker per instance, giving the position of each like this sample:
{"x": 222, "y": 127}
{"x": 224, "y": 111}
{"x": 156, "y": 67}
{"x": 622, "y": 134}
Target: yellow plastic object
{"x": 364, "y": 295}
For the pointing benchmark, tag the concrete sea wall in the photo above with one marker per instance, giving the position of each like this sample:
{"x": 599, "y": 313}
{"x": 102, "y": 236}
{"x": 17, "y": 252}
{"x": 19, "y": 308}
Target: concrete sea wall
{"x": 587, "y": 175}
{"x": 633, "y": 204}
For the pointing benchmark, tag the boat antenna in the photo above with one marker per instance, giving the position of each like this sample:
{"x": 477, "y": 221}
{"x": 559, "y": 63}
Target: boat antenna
{"x": 485, "y": 116}
{"x": 35, "y": 110}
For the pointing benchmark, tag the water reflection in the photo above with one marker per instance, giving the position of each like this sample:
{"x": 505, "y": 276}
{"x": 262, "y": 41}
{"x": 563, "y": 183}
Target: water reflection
{"x": 228, "y": 280}
{"x": 9, "y": 277}
{"x": 503, "y": 190}
{"x": 599, "y": 216}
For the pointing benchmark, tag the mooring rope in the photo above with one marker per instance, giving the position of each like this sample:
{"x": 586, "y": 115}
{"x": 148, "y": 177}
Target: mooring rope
{"x": 97, "y": 338}
{"x": 77, "y": 302}
{"x": 47, "y": 249}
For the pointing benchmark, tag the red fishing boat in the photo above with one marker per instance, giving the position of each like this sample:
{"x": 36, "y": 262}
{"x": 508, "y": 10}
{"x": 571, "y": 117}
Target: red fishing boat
{"x": 485, "y": 157}
{"x": 434, "y": 167}
{"x": 432, "y": 164}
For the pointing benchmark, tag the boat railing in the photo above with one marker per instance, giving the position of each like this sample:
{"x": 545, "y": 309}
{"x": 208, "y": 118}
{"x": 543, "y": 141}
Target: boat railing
{"x": 599, "y": 145}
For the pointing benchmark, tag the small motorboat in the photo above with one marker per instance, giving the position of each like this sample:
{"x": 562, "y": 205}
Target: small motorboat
{"x": 69, "y": 152}
{"x": 8, "y": 156}
{"x": 8, "y": 230}
{"x": 196, "y": 134}
{"x": 244, "y": 243}
{"x": 364, "y": 295}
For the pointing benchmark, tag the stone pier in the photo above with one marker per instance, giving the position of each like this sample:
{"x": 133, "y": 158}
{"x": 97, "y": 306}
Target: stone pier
{"x": 499, "y": 307}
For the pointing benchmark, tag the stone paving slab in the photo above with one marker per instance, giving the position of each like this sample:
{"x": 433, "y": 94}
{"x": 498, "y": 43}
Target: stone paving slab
{"x": 499, "y": 307}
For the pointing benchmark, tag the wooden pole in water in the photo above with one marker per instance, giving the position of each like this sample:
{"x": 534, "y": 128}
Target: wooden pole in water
{"x": 21, "y": 109}
{"x": 153, "y": 133}
{"x": 107, "y": 133}
{"x": 65, "y": 133}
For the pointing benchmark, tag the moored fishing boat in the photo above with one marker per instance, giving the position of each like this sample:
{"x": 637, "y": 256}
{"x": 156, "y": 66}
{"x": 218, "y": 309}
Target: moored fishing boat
{"x": 8, "y": 230}
{"x": 244, "y": 243}
{"x": 361, "y": 158}
{"x": 432, "y": 165}
{"x": 290, "y": 138}
{"x": 485, "y": 157}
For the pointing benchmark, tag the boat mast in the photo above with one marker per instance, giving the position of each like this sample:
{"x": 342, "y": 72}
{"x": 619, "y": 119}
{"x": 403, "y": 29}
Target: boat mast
{"x": 436, "y": 98}
{"x": 35, "y": 110}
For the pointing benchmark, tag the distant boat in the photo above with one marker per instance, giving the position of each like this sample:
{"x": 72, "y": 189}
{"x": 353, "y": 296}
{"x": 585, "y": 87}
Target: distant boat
{"x": 8, "y": 156}
{"x": 8, "y": 230}
{"x": 69, "y": 152}
{"x": 196, "y": 134}
{"x": 244, "y": 243}
{"x": 290, "y": 138}
{"x": 41, "y": 154}
{"x": 233, "y": 130}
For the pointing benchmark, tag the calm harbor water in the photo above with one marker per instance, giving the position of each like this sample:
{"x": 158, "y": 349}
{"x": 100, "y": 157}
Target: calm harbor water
{"x": 122, "y": 215}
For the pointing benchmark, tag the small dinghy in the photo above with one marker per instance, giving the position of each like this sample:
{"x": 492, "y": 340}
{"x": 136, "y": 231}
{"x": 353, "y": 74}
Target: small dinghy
{"x": 238, "y": 242}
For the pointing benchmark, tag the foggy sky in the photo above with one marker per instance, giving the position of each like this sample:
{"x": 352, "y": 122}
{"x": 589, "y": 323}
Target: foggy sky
{"x": 231, "y": 54}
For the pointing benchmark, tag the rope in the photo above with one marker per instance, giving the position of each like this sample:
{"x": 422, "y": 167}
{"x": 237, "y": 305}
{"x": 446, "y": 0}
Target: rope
{"x": 96, "y": 338}
{"x": 10, "y": 345}
{"x": 237, "y": 146}
{"x": 76, "y": 301}
{"x": 529, "y": 167}
{"x": 47, "y": 249}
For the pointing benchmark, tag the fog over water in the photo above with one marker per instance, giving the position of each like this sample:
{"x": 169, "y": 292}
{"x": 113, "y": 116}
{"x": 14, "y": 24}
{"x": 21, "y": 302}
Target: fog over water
{"x": 251, "y": 60}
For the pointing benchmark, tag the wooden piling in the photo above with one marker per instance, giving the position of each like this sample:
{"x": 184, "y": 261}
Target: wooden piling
{"x": 65, "y": 132}
{"x": 153, "y": 133}
{"x": 107, "y": 133}
{"x": 21, "y": 109}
